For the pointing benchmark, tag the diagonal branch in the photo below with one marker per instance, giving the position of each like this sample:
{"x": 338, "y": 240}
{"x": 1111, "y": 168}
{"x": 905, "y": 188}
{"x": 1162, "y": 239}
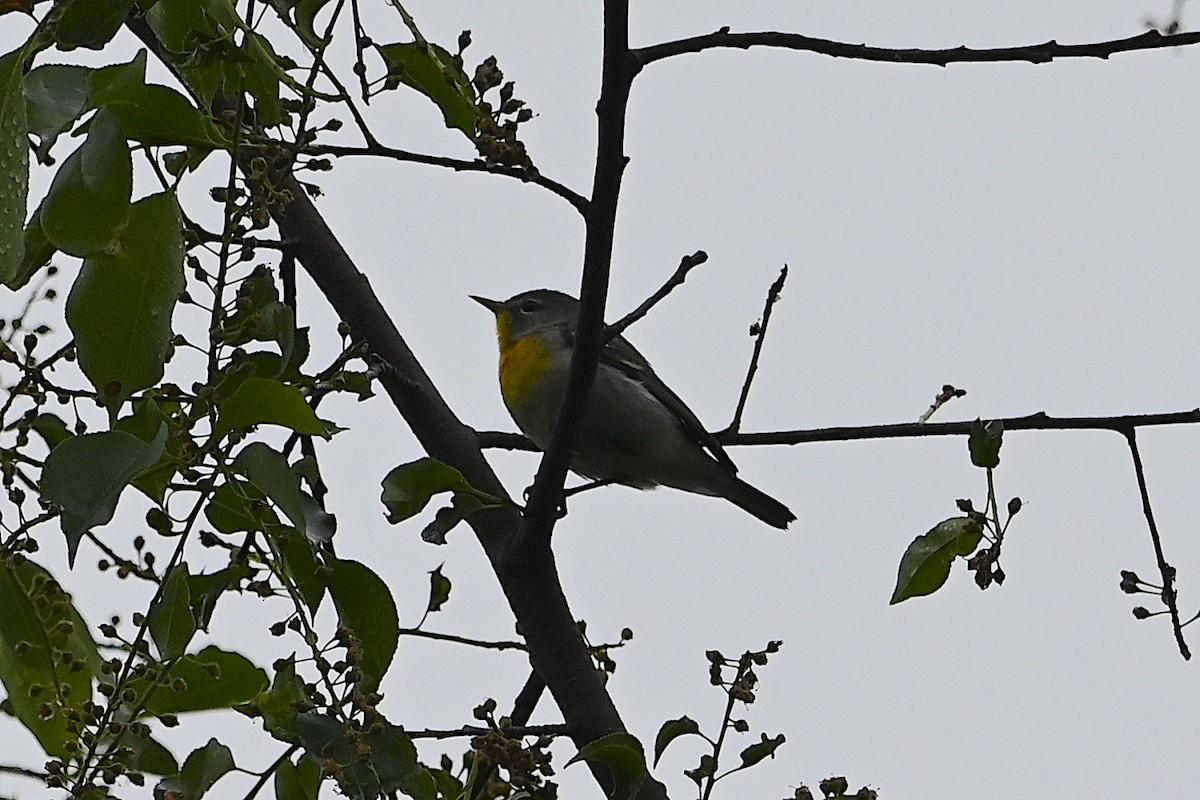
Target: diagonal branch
{"x": 1034, "y": 53}
{"x": 686, "y": 264}
{"x": 577, "y": 201}
{"x": 760, "y": 336}
{"x": 524, "y": 566}
{"x": 1169, "y": 596}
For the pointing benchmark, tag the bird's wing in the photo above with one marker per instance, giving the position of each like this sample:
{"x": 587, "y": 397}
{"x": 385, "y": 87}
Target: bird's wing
{"x": 619, "y": 353}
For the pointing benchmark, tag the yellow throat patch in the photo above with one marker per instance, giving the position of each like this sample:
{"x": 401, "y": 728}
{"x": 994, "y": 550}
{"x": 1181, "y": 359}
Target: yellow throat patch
{"x": 521, "y": 362}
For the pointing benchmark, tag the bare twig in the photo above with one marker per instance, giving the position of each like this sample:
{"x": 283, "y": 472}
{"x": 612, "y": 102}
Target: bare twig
{"x": 686, "y": 264}
{"x": 449, "y": 637}
{"x": 8, "y": 769}
{"x": 1034, "y": 53}
{"x": 759, "y": 332}
{"x": 515, "y": 731}
{"x": 947, "y": 394}
{"x": 577, "y": 201}
{"x": 1169, "y": 596}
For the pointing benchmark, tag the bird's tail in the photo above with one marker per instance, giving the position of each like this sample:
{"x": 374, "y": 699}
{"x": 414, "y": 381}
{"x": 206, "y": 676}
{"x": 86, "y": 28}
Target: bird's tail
{"x": 760, "y": 504}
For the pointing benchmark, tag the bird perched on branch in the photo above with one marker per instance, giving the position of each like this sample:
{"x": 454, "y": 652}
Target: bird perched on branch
{"x": 635, "y": 430}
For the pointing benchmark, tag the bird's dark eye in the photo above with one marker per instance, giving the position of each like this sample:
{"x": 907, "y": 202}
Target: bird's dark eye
{"x": 529, "y": 306}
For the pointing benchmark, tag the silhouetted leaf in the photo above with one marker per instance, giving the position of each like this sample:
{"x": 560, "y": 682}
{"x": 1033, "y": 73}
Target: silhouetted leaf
{"x": 984, "y": 443}
{"x": 623, "y": 755}
{"x": 671, "y": 730}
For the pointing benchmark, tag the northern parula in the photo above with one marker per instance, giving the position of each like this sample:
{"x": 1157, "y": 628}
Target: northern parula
{"x": 635, "y": 430}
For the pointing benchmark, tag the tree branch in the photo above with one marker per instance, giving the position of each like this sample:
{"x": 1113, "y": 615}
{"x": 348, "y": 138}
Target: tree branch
{"x": 577, "y": 201}
{"x": 904, "y": 430}
{"x": 686, "y": 264}
{"x": 529, "y": 578}
{"x": 1034, "y": 53}
{"x": 1169, "y": 595}
{"x": 759, "y": 337}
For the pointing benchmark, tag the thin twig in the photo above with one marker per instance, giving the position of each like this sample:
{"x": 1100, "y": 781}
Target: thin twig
{"x": 686, "y": 264}
{"x": 516, "y": 731}
{"x": 449, "y": 637}
{"x": 8, "y": 769}
{"x": 1034, "y": 54}
{"x": 760, "y": 336}
{"x": 1169, "y": 596}
{"x": 577, "y": 201}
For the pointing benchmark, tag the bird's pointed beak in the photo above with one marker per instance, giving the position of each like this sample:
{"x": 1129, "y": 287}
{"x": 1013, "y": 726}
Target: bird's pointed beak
{"x": 493, "y": 306}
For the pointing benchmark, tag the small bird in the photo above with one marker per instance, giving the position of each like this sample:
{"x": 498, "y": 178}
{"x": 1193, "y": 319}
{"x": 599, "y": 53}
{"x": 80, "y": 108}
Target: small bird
{"x": 635, "y": 430}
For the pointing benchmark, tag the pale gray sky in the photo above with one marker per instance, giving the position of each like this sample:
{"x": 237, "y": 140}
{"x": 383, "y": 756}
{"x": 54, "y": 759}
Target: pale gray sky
{"x": 1024, "y": 232}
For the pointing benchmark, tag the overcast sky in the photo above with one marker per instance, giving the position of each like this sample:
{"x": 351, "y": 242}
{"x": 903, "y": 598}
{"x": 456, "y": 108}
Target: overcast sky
{"x": 1027, "y": 233}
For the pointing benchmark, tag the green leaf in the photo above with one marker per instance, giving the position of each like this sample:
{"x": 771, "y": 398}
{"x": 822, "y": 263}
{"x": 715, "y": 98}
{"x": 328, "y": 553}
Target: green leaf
{"x": 461, "y": 506}
{"x": 301, "y": 14}
{"x": 170, "y": 619}
{"x": 215, "y": 679}
{"x": 408, "y": 488}
{"x": 121, "y": 304}
{"x": 87, "y": 204}
{"x": 926, "y": 563}
{"x": 269, "y": 471}
{"x": 14, "y": 164}
{"x": 299, "y": 781}
{"x": 56, "y": 95}
{"x": 279, "y": 705}
{"x": 300, "y": 562}
{"x": 205, "y": 588}
{"x": 144, "y": 423}
{"x": 431, "y": 71}
{"x": 38, "y": 252}
{"x": 320, "y": 525}
{"x": 149, "y": 755}
{"x": 984, "y": 443}
{"x": 39, "y": 627}
{"x": 238, "y": 506}
{"x": 159, "y": 115}
{"x": 671, "y": 730}
{"x": 365, "y": 606}
{"x": 51, "y": 428}
{"x": 204, "y": 767}
{"x": 439, "y": 590}
{"x": 375, "y": 762}
{"x": 625, "y": 758}
{"x": 760, "y": 750}
{"x": 89, "y": 23}
{"x": 261, "y": 401}
{"x": 85, "y": 476}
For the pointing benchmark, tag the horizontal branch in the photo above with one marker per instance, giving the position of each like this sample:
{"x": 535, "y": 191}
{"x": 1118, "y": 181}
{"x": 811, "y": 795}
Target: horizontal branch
{"x": 1034, "y": 53}
{"x": 514, "y": 732}
{"x": 1039, "y": 421}
{"x": 577, "y": 201}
